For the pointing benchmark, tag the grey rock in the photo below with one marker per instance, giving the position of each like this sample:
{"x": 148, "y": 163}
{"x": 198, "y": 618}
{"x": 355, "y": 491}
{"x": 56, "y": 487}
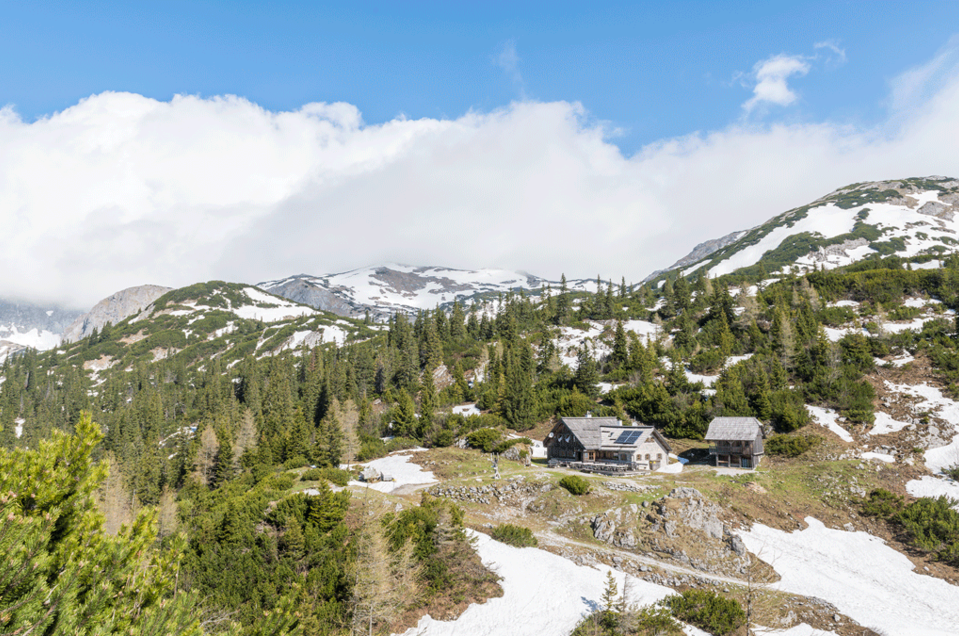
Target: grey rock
{"x": 113, "y": 309}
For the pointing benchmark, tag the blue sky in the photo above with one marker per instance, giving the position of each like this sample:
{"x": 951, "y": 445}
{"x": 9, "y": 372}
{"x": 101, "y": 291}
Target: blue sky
{"x": 650, "y": 69}
{"x": 174, "y": 142}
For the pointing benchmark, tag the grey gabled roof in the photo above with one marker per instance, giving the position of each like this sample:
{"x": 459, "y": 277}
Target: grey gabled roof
{"x": 724, "y": 429}
{"x": 586, "y": 429}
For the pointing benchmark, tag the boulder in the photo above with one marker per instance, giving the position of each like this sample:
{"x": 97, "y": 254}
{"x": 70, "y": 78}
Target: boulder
{"x": 371, "y": 475}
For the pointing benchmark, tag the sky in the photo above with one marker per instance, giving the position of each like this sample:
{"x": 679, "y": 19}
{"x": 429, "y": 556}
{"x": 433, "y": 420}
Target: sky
{"x": 251, "y": 141}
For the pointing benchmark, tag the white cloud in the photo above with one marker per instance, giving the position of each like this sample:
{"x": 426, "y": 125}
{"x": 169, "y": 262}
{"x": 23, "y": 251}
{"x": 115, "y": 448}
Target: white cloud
{"x": 122, "y": 190}
{"x": 771, "y": 77}
{"x": 835, "y": 56}
{"x": 917, "y": 85}
{"x": 508, "y": 60}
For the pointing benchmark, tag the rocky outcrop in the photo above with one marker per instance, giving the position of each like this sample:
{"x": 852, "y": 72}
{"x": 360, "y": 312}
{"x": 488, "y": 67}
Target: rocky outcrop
{"x": 683, "y": 526}
{"x": 939, "y": 209}
{"x": 304, "y": 291}
{"x": 700, "y": 252}
{"x": 113, "y": 309}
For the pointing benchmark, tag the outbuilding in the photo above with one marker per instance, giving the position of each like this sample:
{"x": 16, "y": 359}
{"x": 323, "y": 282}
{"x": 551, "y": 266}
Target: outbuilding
{"x": 735, "y": 442}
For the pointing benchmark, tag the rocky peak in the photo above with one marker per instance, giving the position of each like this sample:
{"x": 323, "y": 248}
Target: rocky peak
{"x": 113, "y": 309}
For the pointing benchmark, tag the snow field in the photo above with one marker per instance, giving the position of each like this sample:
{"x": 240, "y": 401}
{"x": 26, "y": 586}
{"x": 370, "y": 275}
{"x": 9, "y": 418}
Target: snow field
{"x": 403, "y": 471}
{"x": 827, "y": 220}
{"x": 39, "y": 339}
{"x": 859, "y": 574}
{"x": 543, "y": 595}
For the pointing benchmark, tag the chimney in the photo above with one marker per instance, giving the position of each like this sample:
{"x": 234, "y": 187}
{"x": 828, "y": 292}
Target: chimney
{"x": 589, "y": 414}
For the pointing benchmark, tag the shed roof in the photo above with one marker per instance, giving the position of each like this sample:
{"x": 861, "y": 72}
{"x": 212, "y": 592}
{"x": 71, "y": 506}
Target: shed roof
{"x": 734, "y": 428}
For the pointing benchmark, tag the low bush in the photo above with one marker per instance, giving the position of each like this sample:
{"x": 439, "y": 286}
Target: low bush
{"x": 791, "y": 445}
{"x": 882, "y": 503}
{"x": 933, "y": 525}
{"x": 333, "y": 475}
{"x": 516, "y": 536}
{"x": 575, "y": 484}
{"x": 952, "y": 471}
{"x": 707, "y": 610}
{"x": 485, "y": 438}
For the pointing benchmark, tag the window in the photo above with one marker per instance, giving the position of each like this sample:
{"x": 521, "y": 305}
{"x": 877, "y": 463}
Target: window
{"x": 659, "y": 455}
{"x": 647, "y": 456}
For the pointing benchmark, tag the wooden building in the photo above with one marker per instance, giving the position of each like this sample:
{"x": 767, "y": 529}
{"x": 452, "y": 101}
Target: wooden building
{"x": 605, "y": 445}
{"x": 735, "y": 442}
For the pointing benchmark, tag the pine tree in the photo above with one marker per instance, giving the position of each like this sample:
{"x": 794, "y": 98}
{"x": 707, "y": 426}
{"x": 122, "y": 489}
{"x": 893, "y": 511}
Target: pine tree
{"x": 620, "y": 353}
{"x": 404, "y": 416}
{"x": 62, "y": 573}
{"x": 586, "y": 376}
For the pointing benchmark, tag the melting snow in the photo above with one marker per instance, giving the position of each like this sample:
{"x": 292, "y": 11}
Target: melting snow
{"x": 543, "y": 595}
{"x": 827, "y": 220}
{"x": 403, "y": 471}
{"x": 882, "y": 457}
{"x": 934, "y": 487}
{"x": 859, "y": 574}
{"x": 466, "y": 410}
{"x": 885, "y": 424}
{"x": 827, "y": 417}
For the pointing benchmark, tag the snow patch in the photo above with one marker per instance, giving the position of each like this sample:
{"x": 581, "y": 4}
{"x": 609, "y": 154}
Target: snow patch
{"x": 466, "y": 410}
{"x": 934, "y": 487}
{"x": 859, "y": 574}
{"x": 886, "y": 424}
{"x": 827, "y": 418}
{"x": 543, "y": 595}
{"x": 403, "y": 471}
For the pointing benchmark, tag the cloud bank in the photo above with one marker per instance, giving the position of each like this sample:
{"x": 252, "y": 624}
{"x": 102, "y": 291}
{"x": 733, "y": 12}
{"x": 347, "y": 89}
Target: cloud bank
{"x": 123, "y": 190}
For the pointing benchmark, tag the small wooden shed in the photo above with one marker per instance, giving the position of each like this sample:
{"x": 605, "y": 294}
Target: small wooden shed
{"x": 735, "y": 442}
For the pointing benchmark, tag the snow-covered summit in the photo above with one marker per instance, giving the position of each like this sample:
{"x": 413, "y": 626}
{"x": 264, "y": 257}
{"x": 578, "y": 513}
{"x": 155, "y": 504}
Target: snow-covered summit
{"x": 909, "y": 218}
{"x": 390, "y": 288}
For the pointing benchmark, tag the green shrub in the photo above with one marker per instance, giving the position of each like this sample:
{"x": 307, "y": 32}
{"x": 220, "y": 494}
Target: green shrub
{"x": 516, "y": 536}
{"x": 882, "y": 503}
{"x": 313, "y": 474}
{"x": 443, "y": 438}
{"x": 791, "y": 445}
{"x": 485, "y": 438}
{"x": 333, "y": 475}
{"x": 933, "y": 525}
{"x": 505, "y": 445}
{"x": 952, "y": 471}
{"x": 706, "y": 361}
{"x": 575, "y": 484}
{"x": 707, "y": 610}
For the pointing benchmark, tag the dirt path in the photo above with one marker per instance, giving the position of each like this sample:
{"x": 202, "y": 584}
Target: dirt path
{"x": 551, "y": 538}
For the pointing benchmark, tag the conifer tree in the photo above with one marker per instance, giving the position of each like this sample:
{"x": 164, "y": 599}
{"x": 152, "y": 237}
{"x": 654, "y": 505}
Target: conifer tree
{"x": 586, "y": 376}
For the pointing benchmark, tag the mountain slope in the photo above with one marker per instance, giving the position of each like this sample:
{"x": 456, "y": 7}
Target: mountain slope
{"x": 909, "y": 218}
{"x": 113, "y": 309}
{"x": 387, "y": 289}
{"x": 211, "y": 320}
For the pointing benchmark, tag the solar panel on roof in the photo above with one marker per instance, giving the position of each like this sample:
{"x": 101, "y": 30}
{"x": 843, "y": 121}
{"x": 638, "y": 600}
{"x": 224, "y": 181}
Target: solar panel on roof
{"x": 628, "y": 437}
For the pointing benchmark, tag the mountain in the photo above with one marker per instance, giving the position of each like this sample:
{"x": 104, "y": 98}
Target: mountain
{"x": 387, "y": 289}
{"x": 113, "y": 309}
{"x": 27, "y": 325}
{"x": 204, "y": 321}
{"x": 911, "y": 218}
